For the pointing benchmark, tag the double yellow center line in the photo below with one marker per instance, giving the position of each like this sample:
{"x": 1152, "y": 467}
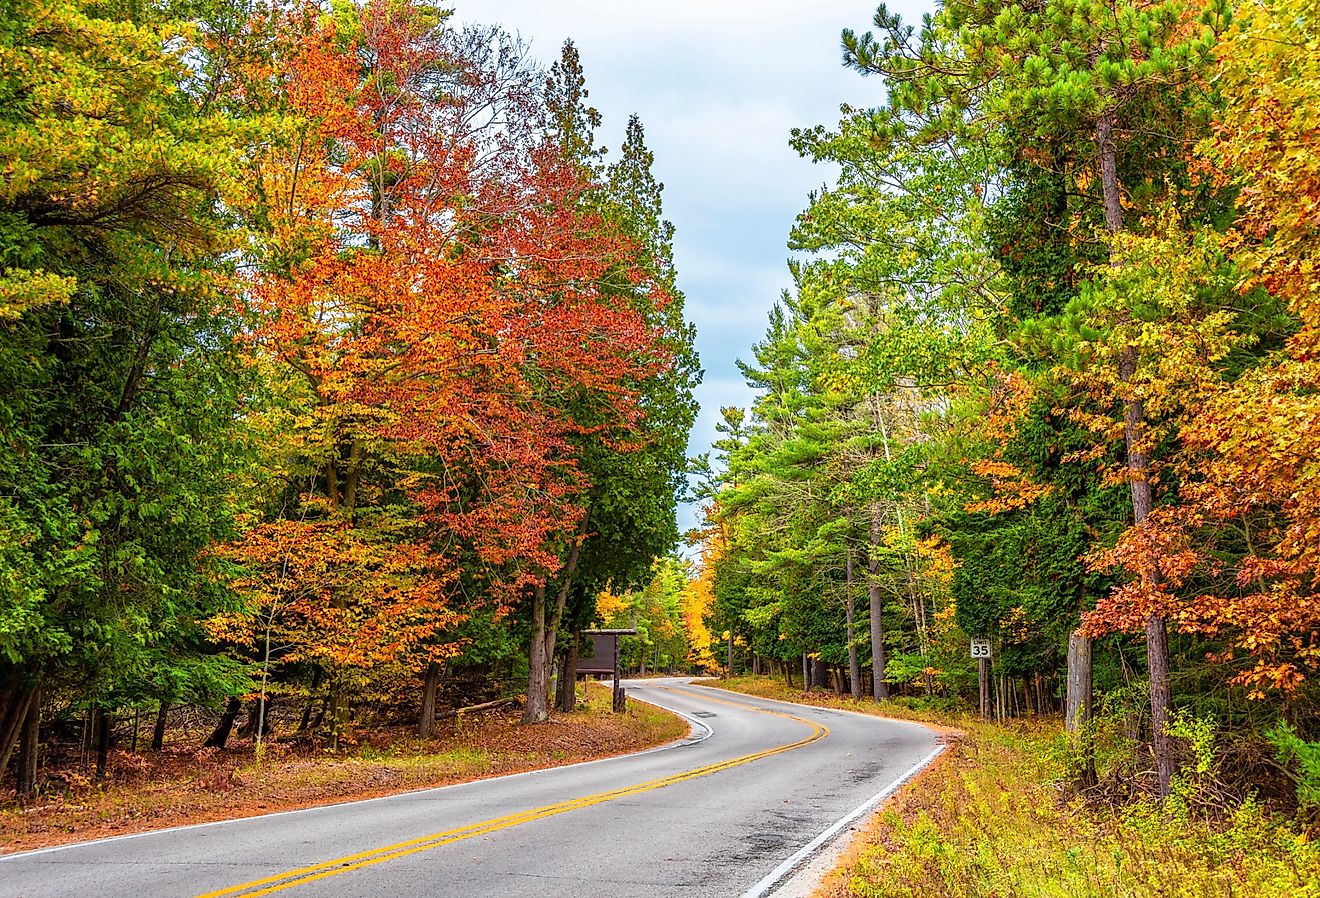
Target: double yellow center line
{"x": 304, "y": 875}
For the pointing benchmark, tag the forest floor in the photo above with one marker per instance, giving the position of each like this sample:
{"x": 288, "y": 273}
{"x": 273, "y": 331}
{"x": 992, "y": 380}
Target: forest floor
{"x": 994, "y": 815}
{"x": 183, "y": 785}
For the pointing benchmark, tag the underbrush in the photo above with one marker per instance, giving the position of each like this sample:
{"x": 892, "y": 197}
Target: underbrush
{"x": 994, "y": 821}
{"x": 150, "y": 790}
{"x": 997, "y": 817}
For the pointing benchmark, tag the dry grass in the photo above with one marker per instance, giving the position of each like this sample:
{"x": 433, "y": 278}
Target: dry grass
{"x": 994, "y": 819}
{"x": 153, "y": 790}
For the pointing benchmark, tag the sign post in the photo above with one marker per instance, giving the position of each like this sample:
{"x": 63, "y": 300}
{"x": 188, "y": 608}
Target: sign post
{"x": 980, "y": 650}
{"x": 605, "y": 659}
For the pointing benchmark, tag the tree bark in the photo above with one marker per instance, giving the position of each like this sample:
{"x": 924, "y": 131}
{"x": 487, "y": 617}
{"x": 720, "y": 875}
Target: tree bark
{"x": 14, "y": 704}
{"x": 104, "y": 722}
{"x": 431, "y": 683}
{"x": 537, "y": 675}
{"x": 29, "y": 744}
{"x": 1161, "y": 699}
{"x": 158, "y": 732}
{"x": 850, "y": 610}
{"x": 819, "y": 676}
{"x": 806, "y": 673}
{"x": 879, "y": 688}
{"x": 568, "y": 675}
{"x": 1077, "y": 711}
{"x": 544, "y": 632}
{"x": 219, "y": 737}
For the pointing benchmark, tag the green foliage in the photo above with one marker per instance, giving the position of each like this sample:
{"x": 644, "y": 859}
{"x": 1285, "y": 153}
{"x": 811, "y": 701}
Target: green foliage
{"x": 119, "y": 385}
{"x": 1305, "y": 758}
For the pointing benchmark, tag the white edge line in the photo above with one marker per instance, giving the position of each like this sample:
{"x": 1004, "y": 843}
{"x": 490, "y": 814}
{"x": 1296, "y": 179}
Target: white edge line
{"x": 797, "y": 858}
{"x": 677, "y": 743}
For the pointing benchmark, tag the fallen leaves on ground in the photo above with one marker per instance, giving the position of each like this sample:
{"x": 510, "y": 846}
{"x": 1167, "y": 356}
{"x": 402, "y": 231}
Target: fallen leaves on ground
{"x": 180, "y": 786}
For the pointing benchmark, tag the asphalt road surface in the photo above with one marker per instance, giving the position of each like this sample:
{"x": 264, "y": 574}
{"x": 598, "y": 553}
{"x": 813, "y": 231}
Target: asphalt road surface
{"x": 723, "y": 814}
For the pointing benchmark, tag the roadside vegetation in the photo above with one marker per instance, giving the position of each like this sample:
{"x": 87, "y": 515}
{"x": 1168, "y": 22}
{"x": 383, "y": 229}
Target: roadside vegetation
{"x": 999, "y": 814}
{"x": 183, "y": 784}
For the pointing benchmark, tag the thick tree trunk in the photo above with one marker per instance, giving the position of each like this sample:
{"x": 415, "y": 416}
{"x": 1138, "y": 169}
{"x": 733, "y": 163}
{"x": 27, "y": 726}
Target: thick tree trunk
{"x": 29, "y": 744}
{"x": 158, "y": 732}
{"x": 1161, "y": 698}
{"x": 430, "y": 685}
{"x": 879, "y": 688}
{"x": 258, "y": 725}
{"x": 537, "y": 674}
{"x": 1077, "y": 710}
{"x": 544, "y": 632}
{"x": 850, "y": 610}
{"x": 219, "y": 737}
{"x": 567, "y": 699}
{"x": 819, "y": 674}
{"x": 806, "y": 673}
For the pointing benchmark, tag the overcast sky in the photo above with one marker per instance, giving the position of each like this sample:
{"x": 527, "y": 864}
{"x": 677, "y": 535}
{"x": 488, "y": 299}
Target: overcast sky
{"x": 718, "y": 85}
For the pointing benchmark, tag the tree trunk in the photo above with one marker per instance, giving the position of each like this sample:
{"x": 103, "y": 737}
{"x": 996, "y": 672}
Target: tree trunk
{"x": 850, "y": 609}
{"x": 104, "y": 722}
{"x": 158, "y": 732}
{"x": 306, "y": 722}
{"x": 537, "y": 675}
{"x": 879, "y": 688}
{"x": 257, "y": 726}
{"x": 544, "y": 632}
{"x": 1157, "y": 655}
{"x": 819, "y": 675}
{"x": 219, "y": 737}
{"x": 568, "y": 676}
{"x": 431, "y": 683}
{"x": 14, "y": 703}
{"x": 1157, "y": 637}
{"x": 29, "y": 744}
{"x": 806, "y": 673}
{"x": 1077, "y": 711}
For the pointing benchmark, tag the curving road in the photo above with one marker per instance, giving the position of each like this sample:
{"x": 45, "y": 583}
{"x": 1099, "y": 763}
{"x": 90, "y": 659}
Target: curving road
{"x": 725, "y": 813}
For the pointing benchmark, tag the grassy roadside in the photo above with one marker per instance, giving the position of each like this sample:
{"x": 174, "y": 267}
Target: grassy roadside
{"x": 175, "y": 787}
{"x": 992, "y": 820}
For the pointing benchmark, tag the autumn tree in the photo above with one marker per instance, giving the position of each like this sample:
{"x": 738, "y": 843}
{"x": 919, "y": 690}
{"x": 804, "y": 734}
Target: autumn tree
{"x": 120, "y": 387}
{"x": 1107, "y": 87}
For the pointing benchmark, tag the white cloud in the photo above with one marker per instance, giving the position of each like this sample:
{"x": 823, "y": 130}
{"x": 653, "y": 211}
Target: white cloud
{"x": 718, "y": 84}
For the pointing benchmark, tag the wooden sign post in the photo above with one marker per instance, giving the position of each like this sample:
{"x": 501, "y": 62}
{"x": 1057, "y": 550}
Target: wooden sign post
{"x": 605, "y": 660}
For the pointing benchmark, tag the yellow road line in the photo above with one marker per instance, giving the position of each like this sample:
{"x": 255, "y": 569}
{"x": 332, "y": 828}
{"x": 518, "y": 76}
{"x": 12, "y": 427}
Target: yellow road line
{"x": 304, "y": 875}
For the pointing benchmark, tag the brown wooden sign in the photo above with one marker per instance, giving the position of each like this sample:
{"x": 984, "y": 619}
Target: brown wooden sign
{"x": 603, "y": 657}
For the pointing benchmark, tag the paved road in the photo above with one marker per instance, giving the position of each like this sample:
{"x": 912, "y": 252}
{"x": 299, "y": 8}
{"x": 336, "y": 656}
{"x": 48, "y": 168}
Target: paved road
{"x": 712, "y": 816}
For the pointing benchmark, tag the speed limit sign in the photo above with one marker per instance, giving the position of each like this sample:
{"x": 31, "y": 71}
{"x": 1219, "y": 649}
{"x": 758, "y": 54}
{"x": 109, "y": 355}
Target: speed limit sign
{"x": 981, "y": 648}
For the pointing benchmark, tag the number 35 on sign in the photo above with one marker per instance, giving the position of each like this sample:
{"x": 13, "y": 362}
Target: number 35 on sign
{"x": 980, "y": 648}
